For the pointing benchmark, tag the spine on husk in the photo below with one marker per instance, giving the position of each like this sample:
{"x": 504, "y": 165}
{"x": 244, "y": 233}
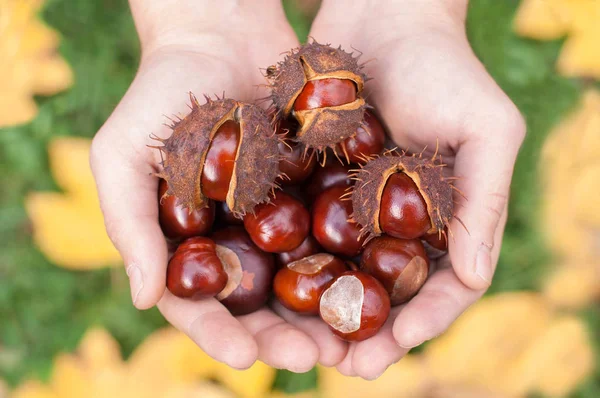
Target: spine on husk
{"x": 256, "y": 162}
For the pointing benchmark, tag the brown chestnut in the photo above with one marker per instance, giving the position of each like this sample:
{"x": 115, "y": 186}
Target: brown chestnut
{"x": 225, "y": 216}
{"x": 403, "y": 212}
{"x": 401, "y": 265}
{"x": 322, "y": 93}
{"x": 307, "y": 248}
{"x": 220, "y": 161}
{"x": 250, "y": 272}
{"x": 278, "y": 226}
{"x": 299, "y": 284}
{"x": 296, "y": 162}
{"x": 178, "y": 222}
{"x": 355, "y": 306}
{"x": 196, "y": 269}
{"x": 331, "y": 175}
{"x": 331, "y": 226}
{"x": 436, "y": 244}
{"x": 369, "y": 140}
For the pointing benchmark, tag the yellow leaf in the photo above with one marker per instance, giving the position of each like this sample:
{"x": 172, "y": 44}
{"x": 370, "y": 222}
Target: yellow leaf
{"x": 478, "y": 347}
{"x": 406, "y": 379}
{"x": 573, "y": 285}
{"x": 171, "y": 353}
{"x": 33, "y": 389}
{"x": 69, "y": 228}
{"x": 586, "y": 194}
{"x": 559, "y": 359}
{"x": 69, "y": 377}
{"x": 254, "y": 382}
{"x": 29, "y": 62}
{"x": 306, "y": 394}
{"x": 99, "y": 350}
{"x": 570, "y": 159}
{"x": 576, "y": 19}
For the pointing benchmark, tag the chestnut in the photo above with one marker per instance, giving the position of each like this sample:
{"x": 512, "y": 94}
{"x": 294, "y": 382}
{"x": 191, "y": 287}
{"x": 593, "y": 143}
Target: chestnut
{"x": 220, "y": 161}
{"x": 307, "y": 248}
{"x": 278, "y": 226}
{"x": 401, "y": 265}
{"x": 369, "y": 140}
{"x": 331, "y": 175}
{"x": 225, "y": 216}
{"x": 403, "y": 212}
{"x": 250, "y": 272}
{"x": 196, "y": 269}
{"x": 355, "y": 306}
{"x": 436, "y": 244}
{"x": 299, "y": 284}
{"x": 296, "y": 162}
{"x": 331, "y": 226}
{"x": 178, "y": 222}
{"x": 326, "y": 92}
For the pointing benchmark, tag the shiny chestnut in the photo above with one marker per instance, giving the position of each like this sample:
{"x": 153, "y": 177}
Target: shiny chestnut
{"x": 178, "y": 222}
{"x": 296, "y": 162}
{"x": 220, "y": 161}
{"x": 307, "y": 248}
{"x": 299, "y": 284}
{"x": 325, "y": 92}
{"x": 368, "y": 141}
{"x": 403, "y": 211}
{"x": 250, "y": 272}
{"x": 355, "y": 306}
{"x": 278, "y": 226}
{"x": 401, "y": 265}
{"x": 224, "y": 215}
{"x": 436, "y": 244}
{"x": 331, "y": 175}
{"x": 196, "y": 269}
{"x": 331, "y": 226}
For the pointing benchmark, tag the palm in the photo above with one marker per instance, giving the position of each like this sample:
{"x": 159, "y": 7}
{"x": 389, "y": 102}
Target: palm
{"x": 123, "y": 165}
{"x": 434, "y": 95}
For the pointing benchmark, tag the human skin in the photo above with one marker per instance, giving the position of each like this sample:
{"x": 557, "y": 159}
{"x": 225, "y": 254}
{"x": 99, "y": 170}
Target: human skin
{"x": 428, "y": 87}
{"x": 432, "y": 91}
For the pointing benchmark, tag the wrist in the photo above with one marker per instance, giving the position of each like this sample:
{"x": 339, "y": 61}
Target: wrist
{"x": 188, "y": 22}
{"x": 403, "y": 13}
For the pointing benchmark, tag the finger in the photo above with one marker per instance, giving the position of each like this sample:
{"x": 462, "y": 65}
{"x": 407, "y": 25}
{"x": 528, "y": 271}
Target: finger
{"x": 280, "y": 344}
{"x": 128, "y": 200}
{"x": 332, "y": 350}
{"x": 442, "y": 299}
{"x": 345, "y": 367}
{"x": 122, "y": 166}
{"x": 484, "y": 165}
{"x": 373, "y": 356}
{"x": 210, "y": 325}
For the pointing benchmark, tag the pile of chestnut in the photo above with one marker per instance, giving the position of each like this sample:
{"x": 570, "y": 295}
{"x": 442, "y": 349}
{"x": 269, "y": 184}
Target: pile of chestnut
{"x": 302, "y": 246}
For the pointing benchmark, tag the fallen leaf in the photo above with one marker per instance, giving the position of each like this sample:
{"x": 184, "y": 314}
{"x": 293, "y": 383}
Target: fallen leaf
{"x": 575, "y": 19}
{"x": 69, "y": 227}
{"x": 29, "y": 62}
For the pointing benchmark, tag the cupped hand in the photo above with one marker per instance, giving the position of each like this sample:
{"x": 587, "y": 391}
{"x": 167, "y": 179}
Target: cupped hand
{"x": 209, "y": 48}
{"x": 430, "y": 89}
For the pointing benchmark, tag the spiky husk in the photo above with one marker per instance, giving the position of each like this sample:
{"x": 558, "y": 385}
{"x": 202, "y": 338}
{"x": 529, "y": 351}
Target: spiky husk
{"x": 321, "y": 127}
{"x": 425, "y": 172}
{"x": 184, "y": 153}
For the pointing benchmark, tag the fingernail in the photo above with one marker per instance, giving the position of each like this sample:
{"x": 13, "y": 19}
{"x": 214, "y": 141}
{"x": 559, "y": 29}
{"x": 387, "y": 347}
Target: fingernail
{"x": 410, "y": 347}
{"x": 136, "y": 281}
{"x": 483, "y": 263}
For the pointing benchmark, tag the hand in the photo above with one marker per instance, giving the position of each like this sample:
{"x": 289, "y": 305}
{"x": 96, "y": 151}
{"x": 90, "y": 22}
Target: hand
{"x": 204, "y": 47}
{"x": 429, "y": 87}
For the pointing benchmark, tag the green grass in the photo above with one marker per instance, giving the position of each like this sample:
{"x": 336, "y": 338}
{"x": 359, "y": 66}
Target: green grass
{"x": 45, "y": 309}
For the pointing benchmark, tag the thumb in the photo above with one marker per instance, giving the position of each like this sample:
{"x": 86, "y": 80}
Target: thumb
{"x": 484, "y": 164}
{"x": 128, "y": 198}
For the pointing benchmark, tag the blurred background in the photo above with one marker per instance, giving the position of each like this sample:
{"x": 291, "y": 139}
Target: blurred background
{"x": 67, "y": 325}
